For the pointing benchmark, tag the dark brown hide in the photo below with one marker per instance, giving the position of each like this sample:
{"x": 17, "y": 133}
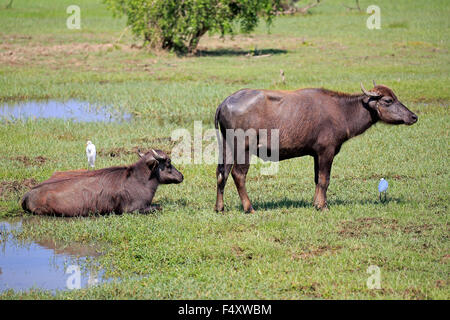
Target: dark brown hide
{"x": 110, "y": 190}
{"x": 66, "y": 174}
{"x": 314, "y": 122}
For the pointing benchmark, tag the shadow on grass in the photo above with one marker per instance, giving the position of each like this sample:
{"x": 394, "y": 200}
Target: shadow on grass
{"x": 374, "y": 201}
{"x": 238, "y": 52}
{"x": 301, "y": 203}
{"x": 283, "y": 203}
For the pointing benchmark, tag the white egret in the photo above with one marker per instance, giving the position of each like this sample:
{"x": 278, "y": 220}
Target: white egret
{"x": 382, "y": 187}
{"x": 90, "y": 153}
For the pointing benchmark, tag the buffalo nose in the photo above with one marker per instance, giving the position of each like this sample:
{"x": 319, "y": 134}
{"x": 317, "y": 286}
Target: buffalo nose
{"x": 414, "y": 118}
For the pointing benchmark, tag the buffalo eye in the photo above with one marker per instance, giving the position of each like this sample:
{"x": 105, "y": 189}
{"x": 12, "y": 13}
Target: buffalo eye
{"x": 387, "y": 100}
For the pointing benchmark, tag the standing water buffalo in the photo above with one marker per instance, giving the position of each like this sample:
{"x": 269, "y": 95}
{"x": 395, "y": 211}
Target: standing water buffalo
{"x": 109, "y": 190}
{"x": 313, "y": 122}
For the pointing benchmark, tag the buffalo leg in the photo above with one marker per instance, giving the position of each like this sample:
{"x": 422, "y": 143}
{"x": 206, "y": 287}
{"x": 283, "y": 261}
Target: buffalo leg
{"x": 222, "y": 173}
{"x": 150, "y": 208}
{"x": 239, "y": 174}
{"x": 325, "y": 161}
{"x": 316, "y": 178}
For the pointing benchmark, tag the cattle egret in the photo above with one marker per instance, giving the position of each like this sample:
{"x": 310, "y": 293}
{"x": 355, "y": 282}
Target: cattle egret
{"x": 382, "y": 187}
{"x": 90, "y": 153}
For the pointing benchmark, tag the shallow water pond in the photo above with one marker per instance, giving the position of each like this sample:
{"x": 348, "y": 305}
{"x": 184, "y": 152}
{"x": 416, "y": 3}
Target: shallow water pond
{"x": 78, "y": 111}
{"x": 44, "y": 263}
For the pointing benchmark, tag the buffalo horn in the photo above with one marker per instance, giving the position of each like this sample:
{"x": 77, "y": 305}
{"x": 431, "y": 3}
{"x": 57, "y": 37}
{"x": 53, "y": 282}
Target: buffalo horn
{"x": 368, "y": 93}
{"x": 157, "y": 156}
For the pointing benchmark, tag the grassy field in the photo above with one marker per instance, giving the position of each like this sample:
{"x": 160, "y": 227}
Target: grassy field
{"x": 287, "y": 250}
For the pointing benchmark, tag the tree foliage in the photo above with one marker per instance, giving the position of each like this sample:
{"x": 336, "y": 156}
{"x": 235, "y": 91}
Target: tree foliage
{"x": 179, "y": 24}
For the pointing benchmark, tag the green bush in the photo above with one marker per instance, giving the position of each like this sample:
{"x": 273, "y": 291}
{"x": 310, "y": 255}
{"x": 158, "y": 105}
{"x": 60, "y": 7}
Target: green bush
{"x": 179, "y": 24}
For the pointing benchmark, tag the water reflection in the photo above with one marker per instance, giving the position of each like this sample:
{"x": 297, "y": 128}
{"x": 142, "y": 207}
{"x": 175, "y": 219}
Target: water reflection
{"x": 44, "y": 263}
{"x": 78, "y": 111}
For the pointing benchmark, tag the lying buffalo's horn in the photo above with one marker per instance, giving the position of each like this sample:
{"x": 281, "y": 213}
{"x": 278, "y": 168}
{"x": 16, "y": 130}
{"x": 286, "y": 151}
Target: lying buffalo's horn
{"x": 157, "y": 156}
{"x": 368, "y": 93}
{"x": 374, "y": 84}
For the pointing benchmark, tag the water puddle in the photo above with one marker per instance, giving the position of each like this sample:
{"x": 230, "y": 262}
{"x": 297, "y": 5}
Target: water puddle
{"x": 77, "y": 111}
{"x": 44, "y": 263}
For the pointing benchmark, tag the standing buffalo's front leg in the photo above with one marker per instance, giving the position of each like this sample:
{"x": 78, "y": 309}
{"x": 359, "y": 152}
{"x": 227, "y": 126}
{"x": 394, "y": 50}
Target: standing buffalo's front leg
{"x": 325, "y": 160}
{"x": 316, "y": 178}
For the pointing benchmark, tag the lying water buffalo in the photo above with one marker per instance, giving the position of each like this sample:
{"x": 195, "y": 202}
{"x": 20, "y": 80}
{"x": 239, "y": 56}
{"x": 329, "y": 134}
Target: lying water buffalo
{"x": 109, "y": 190}
{"x": 313, "y": 122}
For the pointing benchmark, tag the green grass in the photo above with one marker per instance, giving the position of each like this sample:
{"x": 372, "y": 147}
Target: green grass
{"x": 288, "y": 249}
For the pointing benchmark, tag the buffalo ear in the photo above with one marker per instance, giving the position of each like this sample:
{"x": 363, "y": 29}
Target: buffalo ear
{"x": 370, "y": 102}
{"x": 140, "y": 154}
{"x": 366, "y": 99}
{"x": 368, "y": 95}
{"x": 152, "y": 163}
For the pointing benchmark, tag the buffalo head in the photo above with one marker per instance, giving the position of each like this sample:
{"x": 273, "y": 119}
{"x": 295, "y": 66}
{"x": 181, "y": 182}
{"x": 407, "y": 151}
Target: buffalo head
{"x": 389, "y": 109}
{"x": 161, "y": 167}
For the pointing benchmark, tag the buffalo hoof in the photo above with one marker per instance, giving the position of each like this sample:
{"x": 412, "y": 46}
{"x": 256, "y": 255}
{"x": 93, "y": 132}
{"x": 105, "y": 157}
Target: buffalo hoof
{"x": 250, "y": 211}
{"x": 151, "y": 209}
{"x": 156, "y": 207}
{"x": 323, "y": 207}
